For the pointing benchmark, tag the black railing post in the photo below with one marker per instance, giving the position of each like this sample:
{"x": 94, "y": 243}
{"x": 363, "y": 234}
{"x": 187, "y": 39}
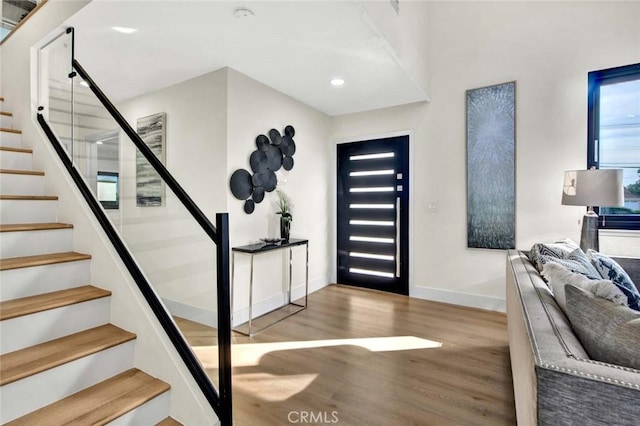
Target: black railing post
{"x": 224, "y": 318}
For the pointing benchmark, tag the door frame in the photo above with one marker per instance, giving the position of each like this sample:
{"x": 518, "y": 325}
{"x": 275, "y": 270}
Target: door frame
{"x": 334, "y": 196}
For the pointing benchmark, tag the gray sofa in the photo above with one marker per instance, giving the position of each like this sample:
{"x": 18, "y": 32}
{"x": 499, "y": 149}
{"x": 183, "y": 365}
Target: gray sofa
{"x": 555, "y": 382}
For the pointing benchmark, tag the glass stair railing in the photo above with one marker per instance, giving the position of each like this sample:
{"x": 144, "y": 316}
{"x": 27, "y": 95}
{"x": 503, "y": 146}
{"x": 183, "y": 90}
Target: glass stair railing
{"x": 174, "y": 253}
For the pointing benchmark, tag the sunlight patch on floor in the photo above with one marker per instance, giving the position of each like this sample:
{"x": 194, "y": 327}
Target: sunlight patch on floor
{"x": 249, "y": 354}
{"x": 274, "y": 388}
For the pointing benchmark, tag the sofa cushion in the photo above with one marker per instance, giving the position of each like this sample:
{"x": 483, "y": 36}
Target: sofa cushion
{"x": 576, "y": 262}
{"x": 610, "y": 269}
{"x": 610, "y": 333}
{"x": 558, "y": 276}
{"x": 559, "y": 249}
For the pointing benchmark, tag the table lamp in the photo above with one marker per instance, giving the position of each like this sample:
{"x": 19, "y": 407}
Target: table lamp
{"x": 594, "y": 187}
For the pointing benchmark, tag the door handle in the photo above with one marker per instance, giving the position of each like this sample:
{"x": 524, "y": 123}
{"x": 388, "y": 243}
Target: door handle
{"x": 397, "y": 237}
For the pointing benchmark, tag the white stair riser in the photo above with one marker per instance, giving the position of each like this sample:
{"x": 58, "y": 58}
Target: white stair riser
{"x": 16, "y": 160}
{"x": 16, "y": 184}
{"x": 33, "y": 243}
{"x": 34, "y": 392}
{"x": 28, "y": 211}
{"x": 24, "y": 282}
{"x": 28, "y": 330}
{"x": 11, "y": 140}
{"x": 150, "y": 413}
{"x": 6, "y": 122}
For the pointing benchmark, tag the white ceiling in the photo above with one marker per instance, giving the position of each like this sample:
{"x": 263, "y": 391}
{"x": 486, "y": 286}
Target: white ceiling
{"x": 295, "y": 47}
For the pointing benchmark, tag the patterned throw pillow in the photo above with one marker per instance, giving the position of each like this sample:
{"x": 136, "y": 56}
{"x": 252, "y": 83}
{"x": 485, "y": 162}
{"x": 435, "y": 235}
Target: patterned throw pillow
{"x": 559, "y": 250}
{"x": 576, "y": 262}
{"x": 608, "y": 332}
{"x": 611, "y": 270}
{"x": 558, "y": 277}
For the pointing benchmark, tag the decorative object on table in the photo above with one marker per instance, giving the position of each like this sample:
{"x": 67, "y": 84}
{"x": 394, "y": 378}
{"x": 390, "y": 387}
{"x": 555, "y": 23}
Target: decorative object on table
{"x": 150, "y": 189}
{"x": 491, "y": 137}
{"x": 273, "y": 152}
{"x": 284, "y": 210}
{"x": 271, "y": 241}
{"x": 594, "y": 187}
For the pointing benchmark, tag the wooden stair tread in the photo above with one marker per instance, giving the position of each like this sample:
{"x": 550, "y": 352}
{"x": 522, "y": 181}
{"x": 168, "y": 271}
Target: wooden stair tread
{"x": 169, "y": 421}
{"x": 17, "y": 227}
{"x": 29, "y": 197}
{"x": 43, "y": 259}
{"x": 35, "y": 359}
{"x": 98, "y": 404}
{"x": 43, "y": 302}
{"x": 2, "y": 129}
{"x": 21, "y": 172}
{"x": 7, "y": 114}
{"x": 24, "y": 150}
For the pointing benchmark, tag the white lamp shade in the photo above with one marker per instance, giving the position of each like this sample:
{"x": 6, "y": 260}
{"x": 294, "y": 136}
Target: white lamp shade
{"x": 595, "y": 187}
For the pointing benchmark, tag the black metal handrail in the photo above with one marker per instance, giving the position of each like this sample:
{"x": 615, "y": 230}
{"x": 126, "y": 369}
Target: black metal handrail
{"x": 149, "y": 155}
{"x": 222, "y": 402}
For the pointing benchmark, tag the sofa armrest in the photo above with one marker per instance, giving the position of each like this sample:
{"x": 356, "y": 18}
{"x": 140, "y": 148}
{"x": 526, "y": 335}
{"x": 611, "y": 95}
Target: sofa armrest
{"x": 554, "y": 381}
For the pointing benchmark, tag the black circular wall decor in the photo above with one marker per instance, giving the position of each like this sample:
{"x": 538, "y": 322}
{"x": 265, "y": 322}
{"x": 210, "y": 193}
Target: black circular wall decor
{"x": 287, "y": 146}
{"x": 275, "y": 137}
{"x": 271, "y": 181}
{"x": 262, "y": 142}
{"x": 272, "y": 153}
{"x": 287, "y": 163}
{"x": 274, "y": 158}
{"x": 249, "y": 206}
{"x": 241, "y": 185}
{"x": 258, "y": 161}
{"x": 258, "y": 194}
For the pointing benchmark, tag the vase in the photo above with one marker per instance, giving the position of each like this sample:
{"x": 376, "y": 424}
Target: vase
{"x": 285, "y": 227}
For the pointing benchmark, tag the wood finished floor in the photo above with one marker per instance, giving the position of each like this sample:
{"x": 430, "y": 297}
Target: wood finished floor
{"x": 318, "y": 361}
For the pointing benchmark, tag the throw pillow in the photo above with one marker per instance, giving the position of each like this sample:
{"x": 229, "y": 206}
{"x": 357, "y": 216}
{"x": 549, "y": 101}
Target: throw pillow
{"x": 559, "y": 249}
{"x": 610, "y": 269}
{"x": 558, "y": 276}
{"x": 576, "y": 262}
{"x": 608, "y": 332}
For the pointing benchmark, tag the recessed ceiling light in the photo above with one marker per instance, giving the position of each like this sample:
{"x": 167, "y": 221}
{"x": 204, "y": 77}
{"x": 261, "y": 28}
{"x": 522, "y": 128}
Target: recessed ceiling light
{"x": 124, "y": 30}
{"x": 337, "y": 81}
{"x": 631, "y": 115}
{"x": 99, "y": 142}
{"x": 84, "y": 83}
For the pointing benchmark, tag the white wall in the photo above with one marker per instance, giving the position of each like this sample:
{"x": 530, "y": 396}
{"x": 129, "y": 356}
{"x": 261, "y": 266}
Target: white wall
{"x": 406, "y": 32}
{"x": 255, "y": 109}
{"x": 174, "y": 251}
{"x": 212, "y": 124}
{"x": 548, "y": 48}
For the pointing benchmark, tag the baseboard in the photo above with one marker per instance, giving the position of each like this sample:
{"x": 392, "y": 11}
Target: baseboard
{"x": 210, "y": 318}
{"x": 191, "y": 313}
{"x": 457, "y": 298}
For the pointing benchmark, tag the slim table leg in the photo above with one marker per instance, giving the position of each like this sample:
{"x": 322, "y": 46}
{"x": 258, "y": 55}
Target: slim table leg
{"x": 251, "y": 297}
{"x": 233, "y": 278}
{"x": 306, "y": 278}
{"x": 290, "y": 272}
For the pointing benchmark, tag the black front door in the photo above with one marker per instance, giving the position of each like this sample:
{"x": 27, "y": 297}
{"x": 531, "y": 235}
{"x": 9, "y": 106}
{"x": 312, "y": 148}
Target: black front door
{"x": 373, "y": 214}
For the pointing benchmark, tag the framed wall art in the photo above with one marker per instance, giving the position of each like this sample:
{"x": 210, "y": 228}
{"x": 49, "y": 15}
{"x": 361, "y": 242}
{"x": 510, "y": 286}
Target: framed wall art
{"x": 150, "y": 190}
{"x": 491, "y": 166}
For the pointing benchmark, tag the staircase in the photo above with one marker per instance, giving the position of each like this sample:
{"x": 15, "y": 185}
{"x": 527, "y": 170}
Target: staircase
{"x": 61, "y": 361}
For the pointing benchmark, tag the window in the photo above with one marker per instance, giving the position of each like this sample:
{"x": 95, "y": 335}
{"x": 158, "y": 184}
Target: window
{"x": 614, "y": 138}
{"x": 108, "y": 190}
